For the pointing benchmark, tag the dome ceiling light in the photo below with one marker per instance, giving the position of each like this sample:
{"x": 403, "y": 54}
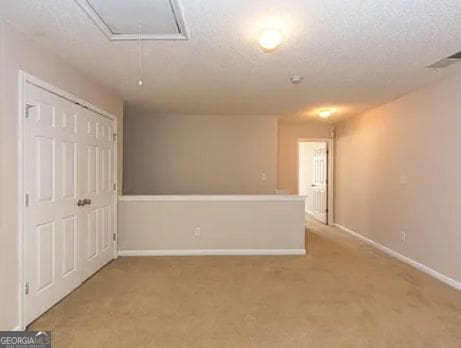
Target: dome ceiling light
{"x": 270, "y": 39}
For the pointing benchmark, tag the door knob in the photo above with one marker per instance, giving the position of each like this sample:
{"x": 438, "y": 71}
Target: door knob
{"x": 86, "y": 201}
{"x": 313, "y": 185}
{"x": 80, "y": 203}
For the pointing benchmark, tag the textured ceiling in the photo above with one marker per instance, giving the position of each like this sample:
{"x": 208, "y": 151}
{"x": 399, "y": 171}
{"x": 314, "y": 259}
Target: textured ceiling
{"x": 353, "y": 54}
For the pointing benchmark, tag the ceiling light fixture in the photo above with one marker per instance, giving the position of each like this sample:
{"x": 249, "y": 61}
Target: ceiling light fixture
{"x": 297, "y": 79}
{"x": 269, "y": 39}
{"x": 325, "y": 113}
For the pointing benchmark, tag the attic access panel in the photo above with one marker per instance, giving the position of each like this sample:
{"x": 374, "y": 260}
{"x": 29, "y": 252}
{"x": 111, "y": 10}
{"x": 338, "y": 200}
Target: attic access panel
{"x": 119, "y": 20}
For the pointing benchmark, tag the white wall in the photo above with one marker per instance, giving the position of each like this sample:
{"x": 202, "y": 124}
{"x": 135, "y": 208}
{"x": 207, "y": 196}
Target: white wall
{"x": 19, "y": 53}
{"x": 398, "y": 168}
{"x": 228, "y": 225}
{"x": 199, "y": 154}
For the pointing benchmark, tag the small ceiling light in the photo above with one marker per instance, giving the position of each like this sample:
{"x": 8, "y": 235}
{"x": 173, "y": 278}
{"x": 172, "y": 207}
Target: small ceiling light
{"x": 325, "y": 113}
{"x": 269, "y": 39}
{"x": 140, "y": 82}
{"x": 297, "y": 79}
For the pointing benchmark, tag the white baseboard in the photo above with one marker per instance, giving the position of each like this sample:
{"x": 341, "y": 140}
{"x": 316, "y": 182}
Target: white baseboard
{"x": 442, "y": 277}
{"x": 197, "y": 252}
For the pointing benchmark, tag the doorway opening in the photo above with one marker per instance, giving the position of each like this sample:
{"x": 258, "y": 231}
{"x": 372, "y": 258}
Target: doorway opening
{"x": 315, "y": 179}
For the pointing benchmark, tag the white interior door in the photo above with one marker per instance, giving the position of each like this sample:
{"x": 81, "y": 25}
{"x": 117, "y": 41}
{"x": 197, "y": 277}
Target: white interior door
{"x": 52, "y": 219}
{"x": 319, "y": 185}
{"x": 305, "y": 173}
{"x": 97, "y": 187}
{"x": 68, "y": 157}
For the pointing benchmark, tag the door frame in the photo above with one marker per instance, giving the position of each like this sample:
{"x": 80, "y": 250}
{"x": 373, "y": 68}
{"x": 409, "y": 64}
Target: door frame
{"x": 23, "y": 79}
{"x": 330, "y": 171}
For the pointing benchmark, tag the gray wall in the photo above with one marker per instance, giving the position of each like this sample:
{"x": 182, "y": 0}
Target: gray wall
{"x": 398, "y": 168}
{"x": 199, "y": 154}
{"x": 248, "y": 224}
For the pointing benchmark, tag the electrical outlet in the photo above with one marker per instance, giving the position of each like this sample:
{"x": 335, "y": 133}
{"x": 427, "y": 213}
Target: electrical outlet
{"x": 403, "y": 236}
{"x": 263, "y": 176}
{"x": 197, "y": 231}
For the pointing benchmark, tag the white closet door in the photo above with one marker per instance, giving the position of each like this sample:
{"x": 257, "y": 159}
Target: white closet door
{"x": 52, "y": 218}
{"x": 98, "y": 168}
{"x": 68, "y": 158}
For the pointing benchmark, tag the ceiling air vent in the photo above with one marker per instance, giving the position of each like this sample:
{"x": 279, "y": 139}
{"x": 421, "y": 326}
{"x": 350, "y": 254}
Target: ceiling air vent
{"x": 122, "y": 20}
{"x": 443, "y": 63}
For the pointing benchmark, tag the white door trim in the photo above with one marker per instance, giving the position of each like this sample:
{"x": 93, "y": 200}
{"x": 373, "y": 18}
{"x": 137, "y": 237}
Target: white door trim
{"x": 23, "y": 79}
{"x": 330, "y": 186}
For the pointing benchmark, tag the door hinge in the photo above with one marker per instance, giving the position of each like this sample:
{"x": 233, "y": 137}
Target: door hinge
{"x": 326, "y": 210}
{"x": 114, "y": 237}
{"x": 26, "y": 200}
{"x": 26, "y": 288}
{"x": 115, "y": 187}
{"x": 26, "y": 111}
{"x": 114, "y": 137}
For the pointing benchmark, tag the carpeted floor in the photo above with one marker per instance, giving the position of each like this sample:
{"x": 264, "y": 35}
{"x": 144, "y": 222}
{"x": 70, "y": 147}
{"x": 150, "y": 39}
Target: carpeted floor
{"x": 342, "y": 294}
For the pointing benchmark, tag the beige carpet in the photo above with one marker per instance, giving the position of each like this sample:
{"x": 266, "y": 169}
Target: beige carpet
{"x": 343, "y": 294}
